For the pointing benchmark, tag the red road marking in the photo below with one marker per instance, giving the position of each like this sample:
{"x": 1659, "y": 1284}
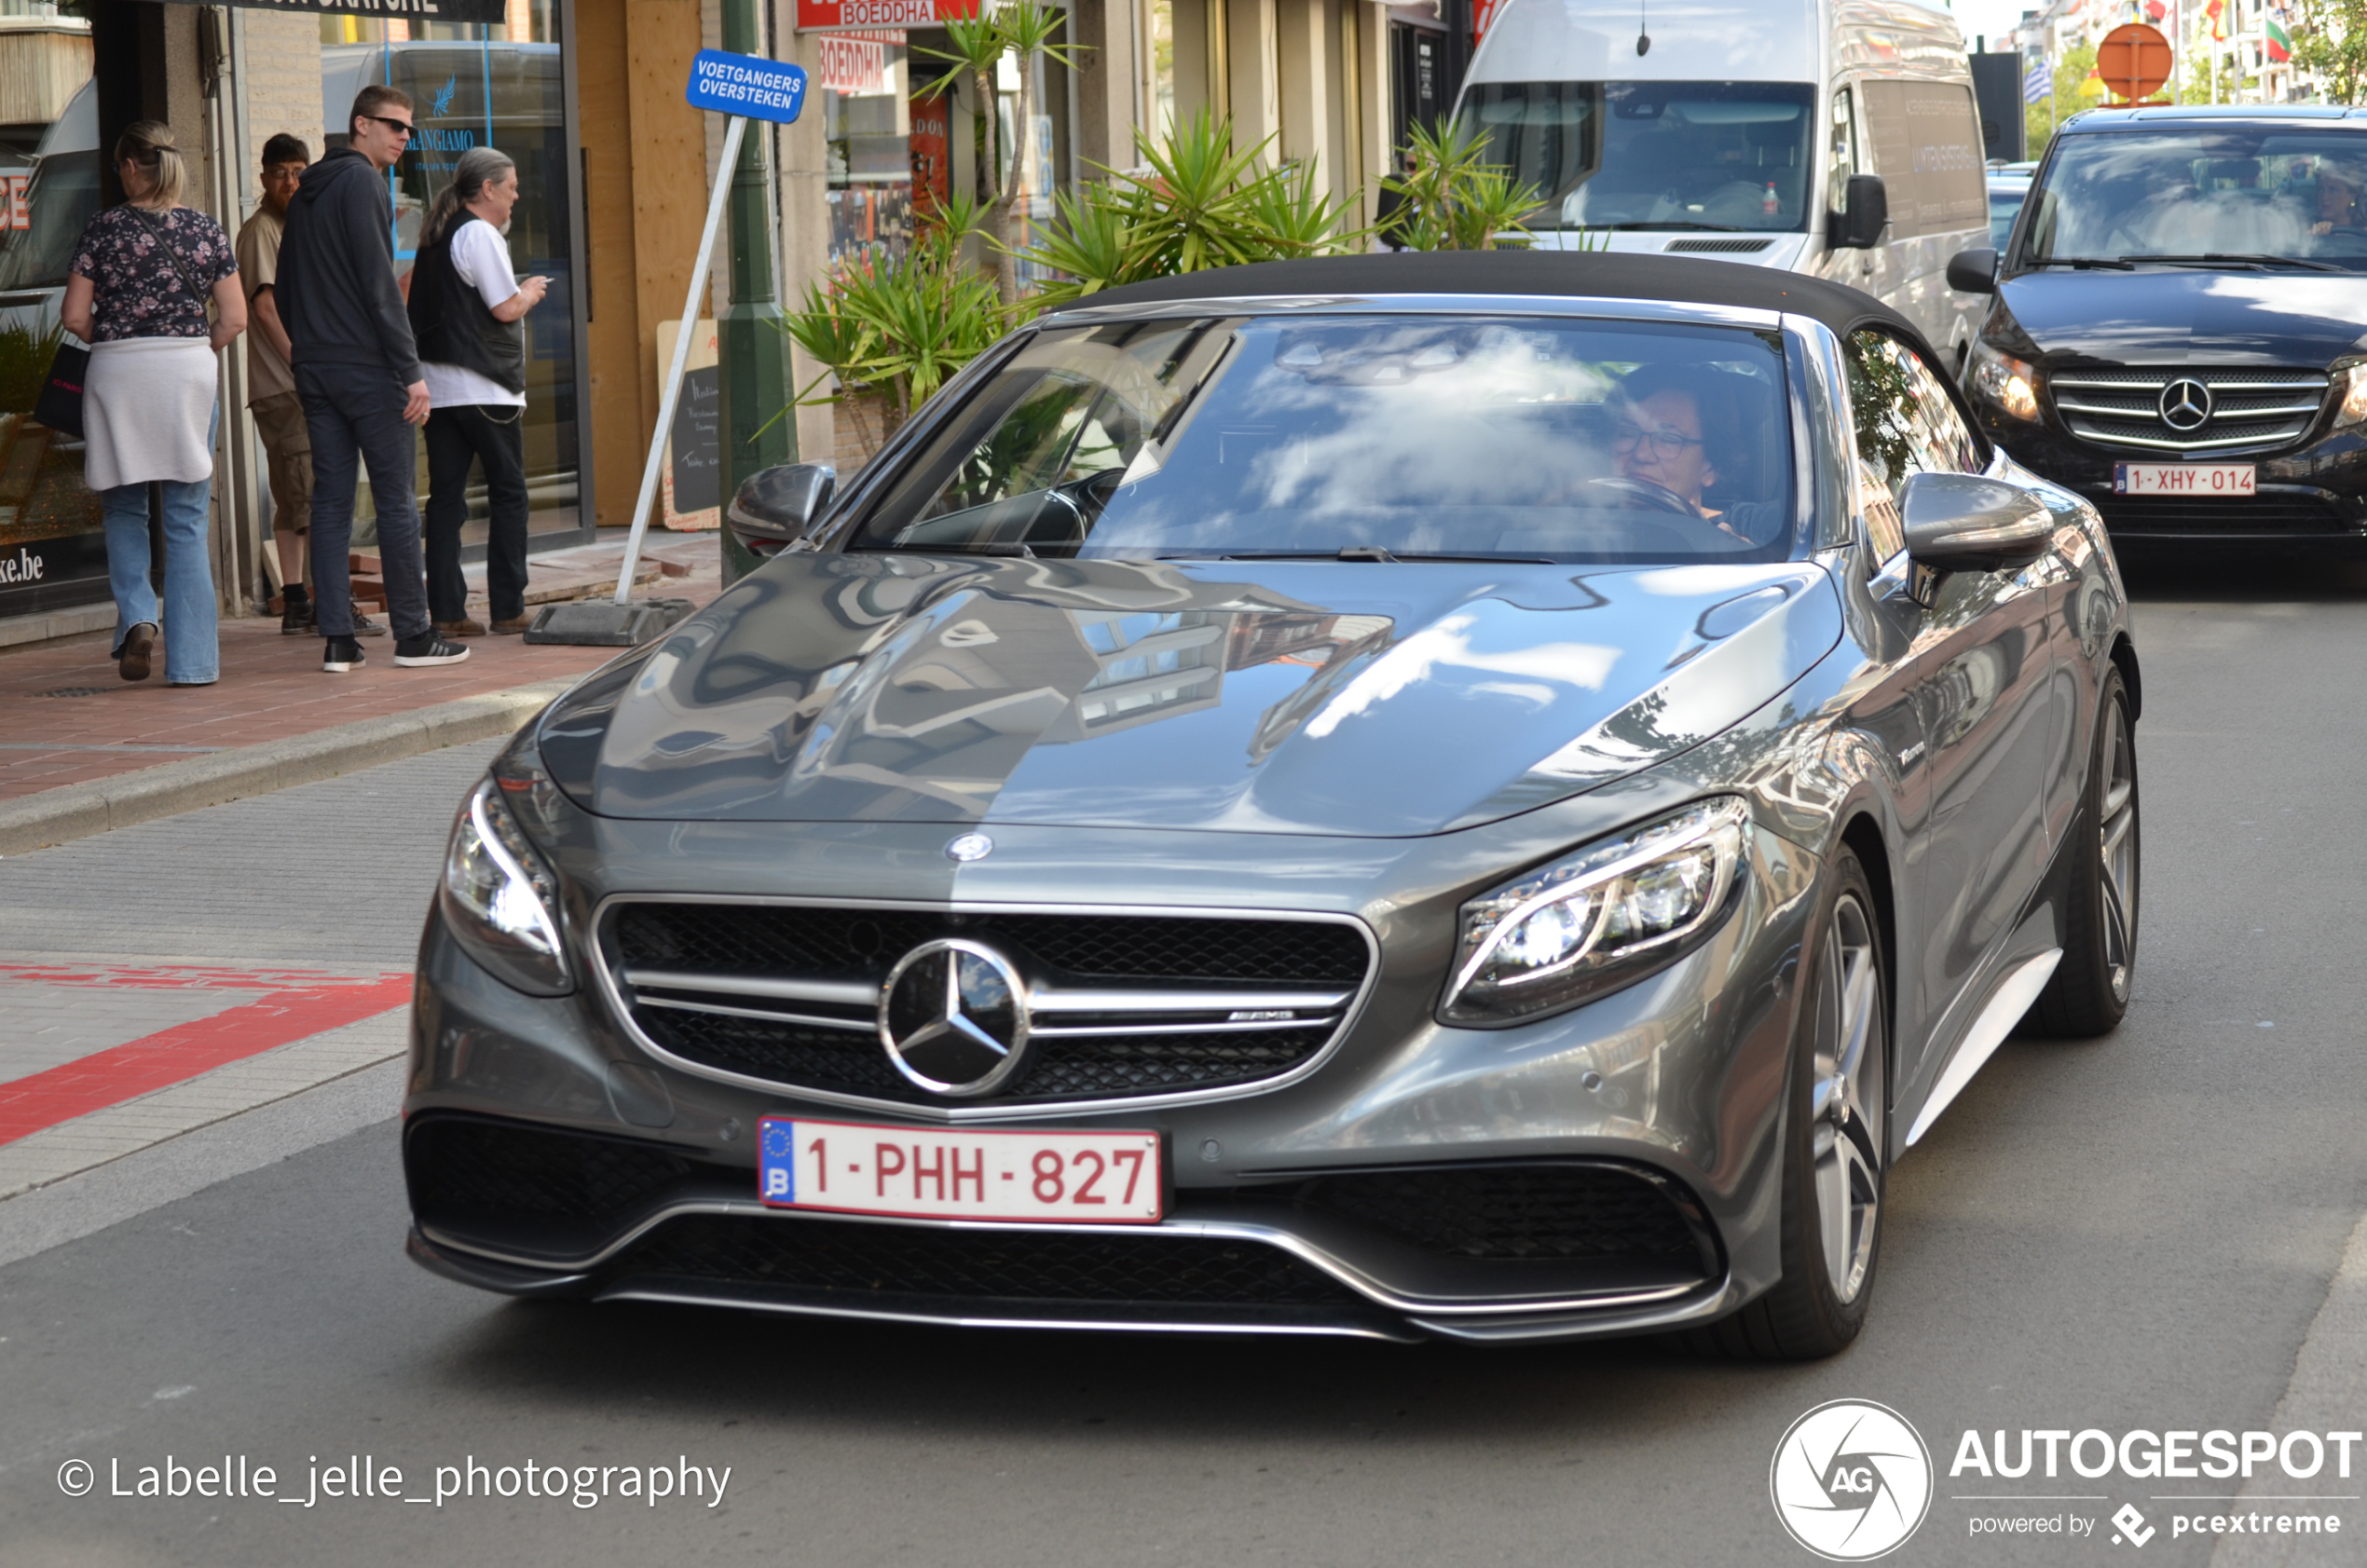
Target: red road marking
{"x": 176, "y": 1054}
{"x": 190, "y": 977}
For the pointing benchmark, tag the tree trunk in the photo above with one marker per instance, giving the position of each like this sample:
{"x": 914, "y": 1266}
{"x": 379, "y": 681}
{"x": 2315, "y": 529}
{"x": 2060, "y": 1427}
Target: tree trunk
{"x": 1006, "y": 265}
{"x": 990, "y": 178}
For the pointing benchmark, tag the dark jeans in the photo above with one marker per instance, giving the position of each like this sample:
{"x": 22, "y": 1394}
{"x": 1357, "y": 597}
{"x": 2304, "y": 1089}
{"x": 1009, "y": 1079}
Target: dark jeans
{"x": 355, "y": 415}
{"x": 458, "y": 437}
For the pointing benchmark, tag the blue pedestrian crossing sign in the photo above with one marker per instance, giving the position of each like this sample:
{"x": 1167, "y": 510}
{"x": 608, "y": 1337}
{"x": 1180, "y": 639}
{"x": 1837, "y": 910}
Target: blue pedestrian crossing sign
{"x": 746, "y": 84}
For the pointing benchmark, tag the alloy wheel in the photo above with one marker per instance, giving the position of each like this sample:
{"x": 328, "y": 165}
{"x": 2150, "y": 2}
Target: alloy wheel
{"x": 1849, "y": 1101}
{"x": 2116, "y": 870}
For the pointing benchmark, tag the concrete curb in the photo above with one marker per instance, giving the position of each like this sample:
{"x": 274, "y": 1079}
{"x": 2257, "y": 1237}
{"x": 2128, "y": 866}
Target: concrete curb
{"x": 54, "y": 816}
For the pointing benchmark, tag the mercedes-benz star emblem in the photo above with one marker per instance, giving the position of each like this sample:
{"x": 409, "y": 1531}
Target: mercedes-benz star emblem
{"x": 969, "y": 847}
{"x": 2185, "y": 404}
{"x": 953, "y": 1018}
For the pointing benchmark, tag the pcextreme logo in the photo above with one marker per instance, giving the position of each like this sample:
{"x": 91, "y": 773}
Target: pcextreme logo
{"x": 1850, "y": 1480}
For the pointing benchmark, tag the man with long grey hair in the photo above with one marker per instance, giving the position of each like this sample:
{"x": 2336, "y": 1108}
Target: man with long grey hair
{"x": 465, "y": 305}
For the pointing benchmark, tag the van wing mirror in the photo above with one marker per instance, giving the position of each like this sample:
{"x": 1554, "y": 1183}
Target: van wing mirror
{"x": 774, "y": 508}
{"x": 1973, "y": 272}
{"x": 1863, "y": 214}
{"x": 1964, "y": 523}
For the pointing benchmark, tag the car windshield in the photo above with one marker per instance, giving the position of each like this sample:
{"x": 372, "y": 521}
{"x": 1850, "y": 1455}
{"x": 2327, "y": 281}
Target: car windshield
{"x": 1654, "y": 155}
{"x": 2253, "y": 195}
{"x": 1404, "y": 437}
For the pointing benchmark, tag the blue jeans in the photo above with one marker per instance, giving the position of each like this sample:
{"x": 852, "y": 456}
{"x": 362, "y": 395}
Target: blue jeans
{"x": 192, "y": 646}
{"x": 355, "y": 415}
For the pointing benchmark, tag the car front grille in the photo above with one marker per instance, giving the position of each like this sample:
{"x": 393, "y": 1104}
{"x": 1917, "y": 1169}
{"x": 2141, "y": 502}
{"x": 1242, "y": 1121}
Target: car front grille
{"x": 863, "y": 1259}
{"x": 1523, "y": 1213}
{"x": 507, "y": 1180}
{"x": 2247, "y": 408}
{"x": 554, "y": 1192}
{"x": 1120, "y": 1006}
{"x": 2169, "y": 516}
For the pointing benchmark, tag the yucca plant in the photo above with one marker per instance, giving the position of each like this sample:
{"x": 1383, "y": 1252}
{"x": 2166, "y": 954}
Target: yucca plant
{"x": 1453, "y": 198}
{"x": 900, "y": 328}
{"x": 1199, "y": 202}
{"x": 1025, "y": 28}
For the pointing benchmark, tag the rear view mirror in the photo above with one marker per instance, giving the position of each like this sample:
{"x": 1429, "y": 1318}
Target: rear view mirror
{"x": 776, "y": 507}
{"x": 1863, "y": 214}
{"x": 1963, "y": 523}
{"x": 1973, "y": 272}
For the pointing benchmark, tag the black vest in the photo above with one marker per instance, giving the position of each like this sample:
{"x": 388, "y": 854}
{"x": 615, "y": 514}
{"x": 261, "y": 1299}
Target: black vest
{"x": 450, "y": 318}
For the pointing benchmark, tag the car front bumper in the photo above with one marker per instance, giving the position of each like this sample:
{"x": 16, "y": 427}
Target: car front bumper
{"x": 2315, "y": 493}
{"x": 586, "y": 1166}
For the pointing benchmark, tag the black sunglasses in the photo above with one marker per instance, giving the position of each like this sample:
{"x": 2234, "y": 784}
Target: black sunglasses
{"x": 405, "y": 127}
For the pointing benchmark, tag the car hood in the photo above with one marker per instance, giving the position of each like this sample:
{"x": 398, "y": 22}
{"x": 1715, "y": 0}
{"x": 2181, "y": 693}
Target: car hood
{"x": 1342, "y": 698}
{"x": 2187, "y": 315}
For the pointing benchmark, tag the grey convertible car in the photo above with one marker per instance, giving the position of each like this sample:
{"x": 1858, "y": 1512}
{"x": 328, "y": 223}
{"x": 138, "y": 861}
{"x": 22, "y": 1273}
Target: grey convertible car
{"x": 1489, "y": 797}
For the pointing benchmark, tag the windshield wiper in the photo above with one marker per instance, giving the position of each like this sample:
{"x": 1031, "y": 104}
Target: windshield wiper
{"x": 2082, "y": 261}
{"x": 1674, "y": 223}
{"x": 1364, "y": 553}
{"x": 2215, "y": 258}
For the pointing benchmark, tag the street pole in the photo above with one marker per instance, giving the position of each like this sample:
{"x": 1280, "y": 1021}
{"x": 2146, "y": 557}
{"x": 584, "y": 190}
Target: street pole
{"x": 672, "y": 388}
{"x": 753, "y": 353}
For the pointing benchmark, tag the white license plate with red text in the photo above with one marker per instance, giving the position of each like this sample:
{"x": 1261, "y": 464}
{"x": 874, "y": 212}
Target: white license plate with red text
{"x": 922, "y": 1173}
{"x": 2183, "y": 478}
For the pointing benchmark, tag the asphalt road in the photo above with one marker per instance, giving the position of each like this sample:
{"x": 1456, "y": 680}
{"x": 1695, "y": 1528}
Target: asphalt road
{"x": 2135, "y": 1232}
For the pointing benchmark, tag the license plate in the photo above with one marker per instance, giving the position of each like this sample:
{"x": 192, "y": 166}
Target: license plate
{"x": 919, "y": 1173}
{"x": 2183, "y": 478}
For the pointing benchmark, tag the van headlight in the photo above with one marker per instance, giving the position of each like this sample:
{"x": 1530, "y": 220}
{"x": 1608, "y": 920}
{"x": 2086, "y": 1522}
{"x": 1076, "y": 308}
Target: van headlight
{"x": 2006, "y": 382}
{"x": 2353, "y": 409}
{"x": 1595, "y": 919}
{"x": 500, "y": 900}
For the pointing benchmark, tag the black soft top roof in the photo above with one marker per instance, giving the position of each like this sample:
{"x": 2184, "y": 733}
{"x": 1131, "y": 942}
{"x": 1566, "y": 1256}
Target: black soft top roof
{"x": 1614, "y": 275}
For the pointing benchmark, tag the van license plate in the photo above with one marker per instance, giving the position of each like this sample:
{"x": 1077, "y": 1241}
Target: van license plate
{"x": 922, "y": 1173}
{"x": 2183, "y": 478}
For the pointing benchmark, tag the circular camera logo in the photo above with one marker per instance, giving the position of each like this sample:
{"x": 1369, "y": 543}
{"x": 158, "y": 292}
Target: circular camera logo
{"x": 1850, "y": 1480}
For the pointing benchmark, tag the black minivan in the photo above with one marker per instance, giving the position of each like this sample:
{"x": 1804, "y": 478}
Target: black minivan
{"x": 2180, "y": 333}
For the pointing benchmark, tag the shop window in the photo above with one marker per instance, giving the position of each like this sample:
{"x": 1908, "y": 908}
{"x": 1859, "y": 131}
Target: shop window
{"x": 52, "y": 552}
{"x": 863, "y": 87}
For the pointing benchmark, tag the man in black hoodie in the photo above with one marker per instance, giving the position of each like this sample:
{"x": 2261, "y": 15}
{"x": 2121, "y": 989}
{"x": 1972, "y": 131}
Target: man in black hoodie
{"x": 358, "y": 371}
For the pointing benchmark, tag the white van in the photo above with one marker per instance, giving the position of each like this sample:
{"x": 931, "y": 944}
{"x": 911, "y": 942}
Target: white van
{"x": 1834, "y": 137}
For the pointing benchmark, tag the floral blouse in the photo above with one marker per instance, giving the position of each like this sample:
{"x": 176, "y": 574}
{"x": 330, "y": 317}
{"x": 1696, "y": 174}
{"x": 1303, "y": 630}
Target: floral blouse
{"x": 137, "y": 291}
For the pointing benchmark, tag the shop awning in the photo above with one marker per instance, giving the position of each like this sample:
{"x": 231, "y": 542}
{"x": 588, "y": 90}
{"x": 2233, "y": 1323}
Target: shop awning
{"x": 385, "y": 10}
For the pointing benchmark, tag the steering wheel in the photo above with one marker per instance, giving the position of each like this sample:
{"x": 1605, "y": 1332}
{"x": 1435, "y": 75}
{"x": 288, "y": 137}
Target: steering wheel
{"x": 2356, "y": 237}
{"x": 1645, "y": 495}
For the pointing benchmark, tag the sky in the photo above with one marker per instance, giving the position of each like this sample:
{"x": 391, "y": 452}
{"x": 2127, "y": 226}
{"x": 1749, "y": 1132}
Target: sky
{"x": 1993, "y": 17}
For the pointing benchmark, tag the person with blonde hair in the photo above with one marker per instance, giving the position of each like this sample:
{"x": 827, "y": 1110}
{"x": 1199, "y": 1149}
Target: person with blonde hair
{"x": 143, "y": 277}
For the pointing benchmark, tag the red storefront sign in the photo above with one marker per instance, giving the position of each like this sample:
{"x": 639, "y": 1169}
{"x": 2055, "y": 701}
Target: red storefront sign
{"x": 838, "y": 15}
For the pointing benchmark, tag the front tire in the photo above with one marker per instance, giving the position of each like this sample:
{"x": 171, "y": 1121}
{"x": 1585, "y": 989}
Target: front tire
{"x": 2088, "y": 993}
{"x": 1835, "y": 1145}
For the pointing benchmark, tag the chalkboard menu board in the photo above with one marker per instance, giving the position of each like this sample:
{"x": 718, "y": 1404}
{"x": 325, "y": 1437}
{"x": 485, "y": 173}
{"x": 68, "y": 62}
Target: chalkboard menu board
{"x": 697, "y": 440}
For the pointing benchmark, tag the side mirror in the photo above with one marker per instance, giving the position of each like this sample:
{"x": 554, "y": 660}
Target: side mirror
{"x": 1963, "y": 523}
{"x": 1864, "y": 213}
{"x": 774, "y": 507}
{"x": 1973, "y": 272}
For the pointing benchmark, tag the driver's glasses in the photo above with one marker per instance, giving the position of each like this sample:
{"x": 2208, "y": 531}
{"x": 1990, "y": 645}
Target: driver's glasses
{"x": 1662, "y": 444}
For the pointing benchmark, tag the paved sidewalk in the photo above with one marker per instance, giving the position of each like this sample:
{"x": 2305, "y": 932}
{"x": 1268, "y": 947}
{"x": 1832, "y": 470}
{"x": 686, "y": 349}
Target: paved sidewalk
{"x": 72, "y": 719}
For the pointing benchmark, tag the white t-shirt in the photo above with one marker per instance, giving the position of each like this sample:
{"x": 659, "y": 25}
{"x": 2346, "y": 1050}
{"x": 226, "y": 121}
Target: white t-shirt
{"x": 482, "y": 258}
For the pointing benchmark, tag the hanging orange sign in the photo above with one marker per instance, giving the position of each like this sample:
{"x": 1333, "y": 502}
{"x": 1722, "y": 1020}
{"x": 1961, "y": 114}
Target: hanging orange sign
{"x": 2133, "y": 61}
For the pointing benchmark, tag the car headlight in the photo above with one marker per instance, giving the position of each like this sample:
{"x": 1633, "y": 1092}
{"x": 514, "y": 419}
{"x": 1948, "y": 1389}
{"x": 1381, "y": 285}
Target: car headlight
{"x": 2006, "y": 382}
{"x": 500, "y": 898}
{"x": 2354, "y": 404}
{"x": 1595, "y": 919}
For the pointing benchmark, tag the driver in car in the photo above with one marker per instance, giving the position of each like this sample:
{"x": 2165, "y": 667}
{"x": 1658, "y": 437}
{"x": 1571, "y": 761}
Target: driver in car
{"x": 2338, "y": 186}
{"x": 1667, "y": 422}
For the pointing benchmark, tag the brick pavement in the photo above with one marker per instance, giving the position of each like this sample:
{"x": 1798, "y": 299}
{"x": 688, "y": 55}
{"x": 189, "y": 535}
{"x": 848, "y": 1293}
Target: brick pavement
{"x": 71, "y": 719}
